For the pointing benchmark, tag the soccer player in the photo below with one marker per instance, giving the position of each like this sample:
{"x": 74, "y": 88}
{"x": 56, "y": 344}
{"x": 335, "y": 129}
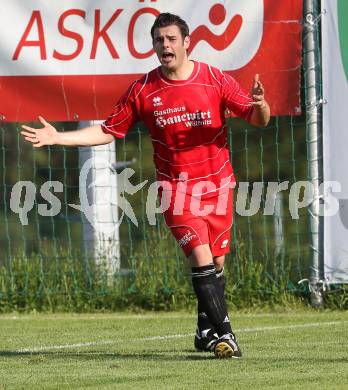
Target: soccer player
{"x": 183, "y": 104}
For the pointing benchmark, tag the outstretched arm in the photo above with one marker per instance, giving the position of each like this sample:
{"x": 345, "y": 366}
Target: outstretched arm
{"x": 261, "y": 112}
{"x": 48, "y": 135}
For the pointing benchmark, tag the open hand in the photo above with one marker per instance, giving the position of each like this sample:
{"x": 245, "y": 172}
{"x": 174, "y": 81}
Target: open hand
{"x": 47, "y": 135}
{"x": 257, "y": 92}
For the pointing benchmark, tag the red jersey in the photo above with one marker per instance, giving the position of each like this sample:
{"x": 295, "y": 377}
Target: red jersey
{"x": 186, "y": 122}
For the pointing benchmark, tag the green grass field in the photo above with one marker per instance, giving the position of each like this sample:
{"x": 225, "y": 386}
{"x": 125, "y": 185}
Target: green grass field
{"x": 297, "y": 350}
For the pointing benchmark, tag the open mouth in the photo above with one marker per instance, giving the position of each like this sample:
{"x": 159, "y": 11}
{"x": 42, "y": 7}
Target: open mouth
{"x": 166, "y": 56}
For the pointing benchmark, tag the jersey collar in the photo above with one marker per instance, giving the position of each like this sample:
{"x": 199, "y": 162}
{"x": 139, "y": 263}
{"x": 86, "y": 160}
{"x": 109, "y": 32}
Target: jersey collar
{"x": 193, "y": 75}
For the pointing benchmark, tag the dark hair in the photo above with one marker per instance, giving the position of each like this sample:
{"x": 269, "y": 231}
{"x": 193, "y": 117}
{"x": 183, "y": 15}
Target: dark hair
{"x": 166, "y": 19}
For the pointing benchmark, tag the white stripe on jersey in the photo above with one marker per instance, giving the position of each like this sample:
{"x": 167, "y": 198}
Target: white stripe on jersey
{"x": 211, "y": 72}
{"x": 237, "y": 93}
{"x": 222, "y": 234}
{"x": 243, "y": 105}
{"x": 191, "y": 163}
{"x": 226, "y": 77}
{"x": 115, "y": 132}
{"x": 118, "y": 123}
{"x": 196, "y": 178}
{"x": 145, "y": 81}
{"x": 183, "y": 85}
{"x": 191, "y": 147}
{"x": 217, "y": 189}
{"x": 188, "y": 82}
{"x": 130, "y": 91}
{"x": 123, "y": 104}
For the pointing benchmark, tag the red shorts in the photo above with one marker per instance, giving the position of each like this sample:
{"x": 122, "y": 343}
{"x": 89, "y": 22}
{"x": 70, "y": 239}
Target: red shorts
{"x": 197, "y": 222}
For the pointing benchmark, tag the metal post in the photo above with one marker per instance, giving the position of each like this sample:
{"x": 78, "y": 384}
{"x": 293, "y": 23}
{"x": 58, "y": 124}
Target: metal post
{"x": 278, "y": 225}
{"x": 314, "y": 147}
{"x": 98, "y": 197}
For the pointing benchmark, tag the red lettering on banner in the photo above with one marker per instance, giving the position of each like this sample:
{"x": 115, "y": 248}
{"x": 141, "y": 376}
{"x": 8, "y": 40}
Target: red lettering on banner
{"x": 70, "y": 34}
{"x": 132, "y": 23}
{"x": 35, "y": 18}
{"x": 87, "y": 91}
{"x": 102, "y": 33}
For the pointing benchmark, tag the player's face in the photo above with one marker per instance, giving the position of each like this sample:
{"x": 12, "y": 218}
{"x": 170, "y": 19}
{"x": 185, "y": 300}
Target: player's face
{"x": 170, "y": 47}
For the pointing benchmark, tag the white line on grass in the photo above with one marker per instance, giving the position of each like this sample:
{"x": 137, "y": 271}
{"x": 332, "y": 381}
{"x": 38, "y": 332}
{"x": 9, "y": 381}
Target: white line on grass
{"x": 173, "y": 336}
{"x": 64, "y": 346}
{"x": 280, "y": 327}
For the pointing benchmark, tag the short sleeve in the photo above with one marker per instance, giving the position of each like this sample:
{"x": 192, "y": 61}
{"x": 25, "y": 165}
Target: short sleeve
{"x": 235, "y": 98}
{"x": 124, "y": 115}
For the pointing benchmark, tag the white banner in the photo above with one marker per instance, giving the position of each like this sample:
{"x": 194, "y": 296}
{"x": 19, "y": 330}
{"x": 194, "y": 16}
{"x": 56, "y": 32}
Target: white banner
{"x": 335, "y": 134}
{"x": 87, "y": 37}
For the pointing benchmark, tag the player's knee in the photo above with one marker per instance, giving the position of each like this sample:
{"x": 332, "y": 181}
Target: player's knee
{"x": 201, "y": 256}
{"x": 219, "y": 262}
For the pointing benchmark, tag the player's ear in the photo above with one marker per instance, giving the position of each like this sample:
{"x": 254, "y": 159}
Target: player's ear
{"x": 187, "y": 42}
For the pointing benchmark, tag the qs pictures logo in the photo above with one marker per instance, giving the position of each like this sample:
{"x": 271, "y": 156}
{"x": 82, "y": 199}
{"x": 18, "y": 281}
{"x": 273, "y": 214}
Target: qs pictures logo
{"x": 342, "y": 15}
